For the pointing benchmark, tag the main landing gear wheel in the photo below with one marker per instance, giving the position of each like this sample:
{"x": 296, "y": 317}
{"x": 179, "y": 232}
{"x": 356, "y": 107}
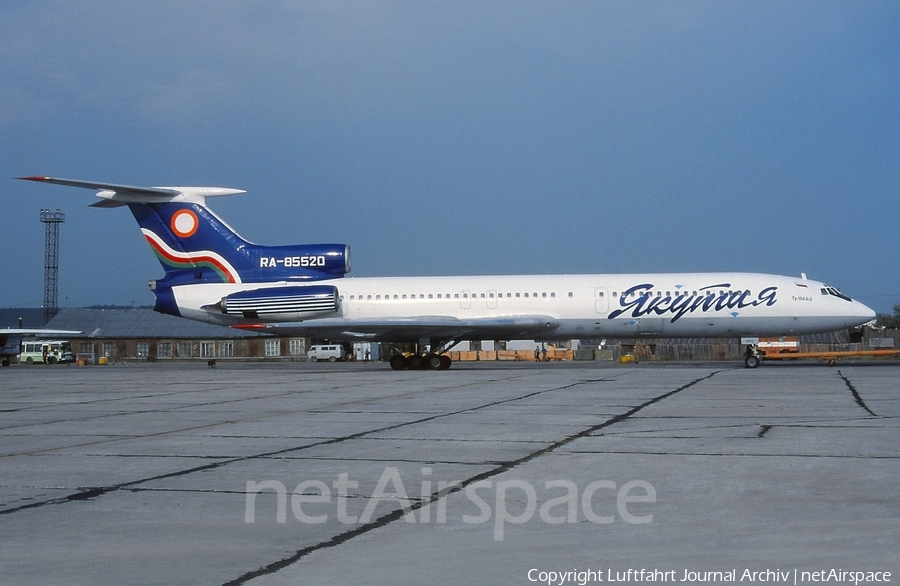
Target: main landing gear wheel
{"x": 751, "y": 361}
{"x": 416, "y": 362}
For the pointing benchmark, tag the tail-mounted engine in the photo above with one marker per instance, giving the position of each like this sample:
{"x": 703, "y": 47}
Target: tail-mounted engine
{"x": 287, "y": 303}
{"x": 304, "y": 261}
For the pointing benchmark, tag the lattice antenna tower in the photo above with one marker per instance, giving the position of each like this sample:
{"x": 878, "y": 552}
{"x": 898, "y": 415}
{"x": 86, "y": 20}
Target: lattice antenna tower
{"x": 51, "y": 221}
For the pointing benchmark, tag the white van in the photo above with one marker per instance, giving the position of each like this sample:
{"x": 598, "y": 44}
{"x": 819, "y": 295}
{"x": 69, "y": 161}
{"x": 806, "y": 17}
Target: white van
{"x": 330, "y": 353}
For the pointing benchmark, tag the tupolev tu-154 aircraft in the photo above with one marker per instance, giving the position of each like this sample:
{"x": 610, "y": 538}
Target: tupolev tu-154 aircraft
{"x": 213, "y": 275}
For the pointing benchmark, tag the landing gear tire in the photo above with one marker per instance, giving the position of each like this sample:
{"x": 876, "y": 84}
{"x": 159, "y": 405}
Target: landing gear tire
{"x": 751, "y": 362}
{"x": 416, "y": 362}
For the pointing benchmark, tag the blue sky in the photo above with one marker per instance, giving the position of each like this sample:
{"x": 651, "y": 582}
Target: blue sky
{"x": 462, "y": 137}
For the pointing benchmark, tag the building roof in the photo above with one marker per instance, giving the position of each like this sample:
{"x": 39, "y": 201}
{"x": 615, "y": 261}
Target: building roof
{"x": 139, "y": 323}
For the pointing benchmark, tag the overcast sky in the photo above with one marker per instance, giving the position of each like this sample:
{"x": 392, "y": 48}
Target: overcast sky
{"x": 462, "y": 137}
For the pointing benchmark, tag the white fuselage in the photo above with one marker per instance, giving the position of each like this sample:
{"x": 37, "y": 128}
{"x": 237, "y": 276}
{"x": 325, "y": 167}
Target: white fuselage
{"x": 575, "y": 306}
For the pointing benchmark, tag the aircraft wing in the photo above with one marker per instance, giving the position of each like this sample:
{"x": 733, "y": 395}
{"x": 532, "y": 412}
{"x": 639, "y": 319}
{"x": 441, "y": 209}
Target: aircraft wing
{"x": 39, "y": 332}
{"x": 413, "y": 328}
{"x": 11, "y": 338}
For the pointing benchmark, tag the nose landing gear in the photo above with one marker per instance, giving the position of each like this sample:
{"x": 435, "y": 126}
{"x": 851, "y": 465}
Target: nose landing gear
{"x": 751, "y": 356}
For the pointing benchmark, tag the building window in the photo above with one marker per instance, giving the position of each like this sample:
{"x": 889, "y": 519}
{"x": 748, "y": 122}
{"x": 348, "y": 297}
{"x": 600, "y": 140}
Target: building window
{"x": 185, "y": 349}
{"x": 164, "y": 349}
{"x": 273, "y": 347}
{"x": 296, "y": 347}
{"x": 109, "y": 350}
{"x": 207, "y": 349}
{"x": 226, "y": 349}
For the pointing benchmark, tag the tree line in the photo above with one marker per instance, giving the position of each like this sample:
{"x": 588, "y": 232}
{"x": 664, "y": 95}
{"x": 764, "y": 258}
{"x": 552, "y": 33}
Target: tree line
{"x": 889, "y": 321}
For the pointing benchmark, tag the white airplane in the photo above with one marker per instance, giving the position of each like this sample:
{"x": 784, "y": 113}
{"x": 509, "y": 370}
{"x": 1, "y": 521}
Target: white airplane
{"x": 215, "y": 276}
{"x": 11, "y": 340}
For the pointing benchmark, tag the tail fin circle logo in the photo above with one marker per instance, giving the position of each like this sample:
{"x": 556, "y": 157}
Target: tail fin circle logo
{"x": 184, "y": 223}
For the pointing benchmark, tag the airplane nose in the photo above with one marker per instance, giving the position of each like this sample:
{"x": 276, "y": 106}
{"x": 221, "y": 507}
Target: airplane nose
{"x": 864, "y": 311}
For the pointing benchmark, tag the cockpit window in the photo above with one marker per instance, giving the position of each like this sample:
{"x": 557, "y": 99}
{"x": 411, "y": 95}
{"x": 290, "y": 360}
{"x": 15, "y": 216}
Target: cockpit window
{"x": 834, "y": 292}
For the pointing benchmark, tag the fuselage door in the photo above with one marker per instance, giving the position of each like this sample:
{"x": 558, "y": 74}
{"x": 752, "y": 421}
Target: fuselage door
{"x": 492, "y": 299}
{"x": 601, "y": 300}
{"x": 465, "y": 299}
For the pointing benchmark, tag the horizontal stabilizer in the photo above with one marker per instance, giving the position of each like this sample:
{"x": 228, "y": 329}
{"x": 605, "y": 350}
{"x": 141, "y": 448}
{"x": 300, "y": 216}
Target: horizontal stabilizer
{"x": 115, "y": 195}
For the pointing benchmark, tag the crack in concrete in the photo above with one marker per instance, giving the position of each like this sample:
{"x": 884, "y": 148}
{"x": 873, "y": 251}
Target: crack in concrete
{"x": 856, "y": 396}
{"x": 94, "y": 492}
{"x": 506, "y": 466}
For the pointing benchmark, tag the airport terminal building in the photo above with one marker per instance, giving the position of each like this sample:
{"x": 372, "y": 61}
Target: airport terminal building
{"x": 143, "y": 334}
{"x": 128, "y": 334}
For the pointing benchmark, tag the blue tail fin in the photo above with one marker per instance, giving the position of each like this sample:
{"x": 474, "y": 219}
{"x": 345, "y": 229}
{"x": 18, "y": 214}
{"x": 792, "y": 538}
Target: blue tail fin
{"x": 189, "y": 237}
{"x": 194, "y": 246}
